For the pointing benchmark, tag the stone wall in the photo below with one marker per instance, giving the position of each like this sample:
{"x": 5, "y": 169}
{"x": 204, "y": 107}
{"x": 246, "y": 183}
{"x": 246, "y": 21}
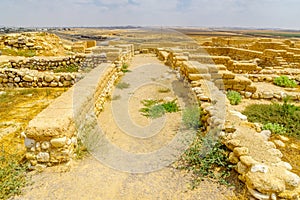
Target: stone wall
{"x": 258, "y": 161}
{"x": 32, "y": 78}
{"x": 47, "y": 63}
{"x": 196, "y": 67}
{"x": 51, "y": 137}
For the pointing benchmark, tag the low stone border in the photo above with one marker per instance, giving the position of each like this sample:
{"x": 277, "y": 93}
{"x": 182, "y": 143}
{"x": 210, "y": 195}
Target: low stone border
{"x": 51, "y": 137}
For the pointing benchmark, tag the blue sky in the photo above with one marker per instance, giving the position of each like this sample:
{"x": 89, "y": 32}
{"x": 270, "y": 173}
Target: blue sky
{"x": 204, "y": 13}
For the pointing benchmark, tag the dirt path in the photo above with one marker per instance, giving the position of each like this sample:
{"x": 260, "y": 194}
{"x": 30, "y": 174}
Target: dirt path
{"x": 91, "y": 179}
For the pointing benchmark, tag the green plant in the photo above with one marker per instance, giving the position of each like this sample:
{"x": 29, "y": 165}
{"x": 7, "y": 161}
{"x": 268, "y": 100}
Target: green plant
{"x": 12, "y": 175}
{"x": 191, "y": 117}
{"x": 21, "y": 52}
{"x": 164, "y": 90}
{"x": 124, "y": 68}
{"x": 154, "y": 108}
{"x": 211, "y": 164}
{"x": 274, "y": 128}
{"x": 284, "y": 81}
{"x": 68, "y": 68}
{"x": 122, "y": 85}
{"x": 80, "y": 150}
{"x": 234, "y": 97}
{"x": 116, "y": 97}
{"x": 171, "y": 106}
{"x": 285, "y": 115}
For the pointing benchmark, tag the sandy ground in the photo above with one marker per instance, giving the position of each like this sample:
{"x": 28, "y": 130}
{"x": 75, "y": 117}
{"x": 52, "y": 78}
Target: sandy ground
{"x": 93, "y": 179}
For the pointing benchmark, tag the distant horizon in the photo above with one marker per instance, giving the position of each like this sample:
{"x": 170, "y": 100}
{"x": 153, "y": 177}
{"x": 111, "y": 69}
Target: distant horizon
{"x": 140, "y": 26}
{"x": 254, "y": 14}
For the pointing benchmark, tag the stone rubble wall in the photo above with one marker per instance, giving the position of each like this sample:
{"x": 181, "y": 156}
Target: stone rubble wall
{"x": 257, "y": 159}
{"x": 10, "y": 78}
{"x": 52, "y": 136}
{"x": 267, "y": 53}
{"x": 47, "y": 63}
{"x": 197, "y": 67}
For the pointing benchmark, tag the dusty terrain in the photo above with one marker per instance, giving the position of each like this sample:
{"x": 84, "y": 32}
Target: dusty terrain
{"x": 91, "y": 179}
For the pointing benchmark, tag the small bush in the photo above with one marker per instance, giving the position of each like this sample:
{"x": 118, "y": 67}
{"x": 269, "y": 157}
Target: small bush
{"x": 212, "y": 164}
{"x": 234, "y": 97}
{"x": 284, "y": 81}
{"x": 275, "y": 128}
{"x": 123, "y": 85}
{"x": 124, "y": 68}
{"x": 12, "y": 175}
{"x": 171, "y": 106}
{"x": 154, "y": 109}
{"x": 286, "y": 115}
{"x": 191, "y": 117}
{"x": 164, "y": 90}
{"x": 15, "y": 52}
{"x": 69, "y": 68}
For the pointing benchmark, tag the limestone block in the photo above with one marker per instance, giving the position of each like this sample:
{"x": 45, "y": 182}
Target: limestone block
{"x": 43, "y": 157}
{"x": 241, "y": 151}
{"x": 58, "y": 142}
{"x": 28, "y": 78}
{"x": 248, "y": 161}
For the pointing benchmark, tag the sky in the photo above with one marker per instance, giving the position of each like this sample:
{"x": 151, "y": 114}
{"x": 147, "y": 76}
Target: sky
{"x": 203, "y": 13}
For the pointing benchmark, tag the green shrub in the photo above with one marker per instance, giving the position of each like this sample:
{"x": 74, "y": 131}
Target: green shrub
{"x": 284, "y": 81}
{"x": 234, "y": 97}
{"x": 154, "y": 109}
{"x": 191, "y": 117}
{"x": 275, "y": 128}
{"x": 211, "y": 164}
{"x": 68, "y": 68}
{"x": 12, "y": 175}
{"x": 122, "y": 85}
{"x": 21, "y": 52}
{"x": 285, "y": 115}
{"x": 164, "y": 90}
{"x": 125, "y": 68}
{"x": 171, "y": 106}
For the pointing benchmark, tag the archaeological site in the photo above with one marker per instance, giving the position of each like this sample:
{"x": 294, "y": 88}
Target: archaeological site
{"x": 182, "y": 113}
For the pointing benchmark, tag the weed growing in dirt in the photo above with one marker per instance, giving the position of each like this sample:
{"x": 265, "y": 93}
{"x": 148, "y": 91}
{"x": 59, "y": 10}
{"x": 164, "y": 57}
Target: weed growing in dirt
{"x": 124, "y": 68}
{"x": 284, "y": 81}
{"x": 191, "y": 117}
{"x": 285, "y": 115}
{"x": 234, "y": 97}
{"x": 80, "y": 150}
{"x": 12, "y": 175}
{"x": 116, "y": 97}
{"x": 15, "y": 52}
{"x": 122, "y": 85}
{"x": 69, "y": 68}
{"x": 275, "y": 128}
{"x": 155, "y": 108}
{"x": 164, "y": 90}
{"x": 213, "y": 164}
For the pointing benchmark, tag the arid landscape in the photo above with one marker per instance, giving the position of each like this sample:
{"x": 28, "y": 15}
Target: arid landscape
{"x": 150, "y": 113}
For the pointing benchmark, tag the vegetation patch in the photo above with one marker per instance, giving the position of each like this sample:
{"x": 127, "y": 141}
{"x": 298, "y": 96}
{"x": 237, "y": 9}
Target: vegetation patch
{"x": 279, "y": 118}
{"x": 284, "y": 81}
{"x": 234, "y": 97}
{"x": 157, "y": 108}
{"x": 212, "y": 164}
{"x": 191, "y": 117}
{"x": 12, "y": 174}
{"x": 275, "y": 128}
{"x": 68, "y": 68}
{"x": 122, "y": 85}
{"x": 21, "y": 52}
{"x": 124, "y": 68}
{"x": 164, "y": 90}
